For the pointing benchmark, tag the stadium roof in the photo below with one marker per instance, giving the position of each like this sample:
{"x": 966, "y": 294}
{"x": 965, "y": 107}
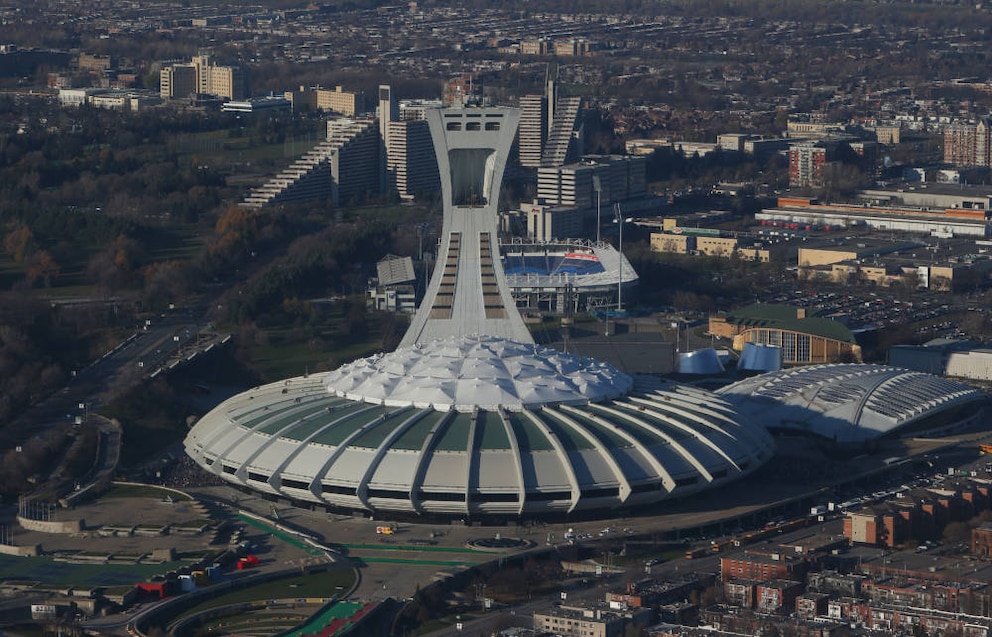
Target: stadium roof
{"x": 480, "y": 371}
{"x": 850, "y": 403}
{"x": 393, "y": 270}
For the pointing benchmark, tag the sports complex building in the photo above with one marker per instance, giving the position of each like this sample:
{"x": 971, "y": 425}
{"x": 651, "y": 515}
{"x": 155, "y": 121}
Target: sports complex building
{"x": 803, "y": 338}
{"x": 848, "y": 403}
{"x": 469, "y": 418}
{"x": 559, "y": 277}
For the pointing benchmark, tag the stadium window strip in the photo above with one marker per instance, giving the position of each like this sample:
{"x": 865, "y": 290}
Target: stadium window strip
{"x": 441, "y": 496}
{"x": 493, "y": 497}
{"x": 296, "y": 484}
{"x": 338, "y": 489}
{"x": 388, "y": 494}
{"x": 685, "y": 482}
{"x": 257, "y": 477}
{"x": 229, "y": 469}
{"x": 546, "y": 496}
{"x": 646, "y": 488}
{"x": 605, "y": 492}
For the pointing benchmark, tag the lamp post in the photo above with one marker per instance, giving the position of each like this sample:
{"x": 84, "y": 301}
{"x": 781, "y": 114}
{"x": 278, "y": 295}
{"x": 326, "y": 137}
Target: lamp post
{"x": 598, "y": 187}
{"x": 620, "y": 221}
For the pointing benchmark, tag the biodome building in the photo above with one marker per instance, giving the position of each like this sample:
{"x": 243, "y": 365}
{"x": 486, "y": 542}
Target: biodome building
{"x": 468, "y": 418}
{"x": 855, "y": 402}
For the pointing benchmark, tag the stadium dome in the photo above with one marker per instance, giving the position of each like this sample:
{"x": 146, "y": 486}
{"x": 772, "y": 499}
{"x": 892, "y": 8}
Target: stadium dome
{"x": 856, "y": 402}
{"x": 477, "y": 427}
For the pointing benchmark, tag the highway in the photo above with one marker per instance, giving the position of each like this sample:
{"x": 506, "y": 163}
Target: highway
{"x": 149, "y": 350}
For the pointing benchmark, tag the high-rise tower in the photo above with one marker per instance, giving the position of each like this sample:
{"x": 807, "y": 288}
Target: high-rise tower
{"x": 550, "y": 128}
{"x": 533, "y": 129}
{"x": 468, "y": 293}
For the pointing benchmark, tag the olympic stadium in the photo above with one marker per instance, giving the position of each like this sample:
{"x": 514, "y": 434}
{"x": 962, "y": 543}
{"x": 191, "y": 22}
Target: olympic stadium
{"x": 556, "y": 276}
{"x": 470, "y": 419}
{"x": 849, "y": 403}
{"x": 477, "y": 428}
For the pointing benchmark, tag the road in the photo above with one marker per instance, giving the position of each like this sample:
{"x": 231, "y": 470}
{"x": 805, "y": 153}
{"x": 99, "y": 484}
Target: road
{"x": 522, "y": 615}
{"x": 158, "y": 346}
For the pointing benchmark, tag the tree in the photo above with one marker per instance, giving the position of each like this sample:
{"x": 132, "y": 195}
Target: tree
{"x": 18, "y": 243}
{"x": 956, "y": 532}
{"x": 41, "y": 266}
{"x": 117, "y": 265}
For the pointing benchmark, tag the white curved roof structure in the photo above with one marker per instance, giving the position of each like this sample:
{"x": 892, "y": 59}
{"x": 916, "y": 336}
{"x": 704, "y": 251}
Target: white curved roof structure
{"x": 468, "y": 373}
{"x": 477, "y": 427}
{"x": 850, "y": 403}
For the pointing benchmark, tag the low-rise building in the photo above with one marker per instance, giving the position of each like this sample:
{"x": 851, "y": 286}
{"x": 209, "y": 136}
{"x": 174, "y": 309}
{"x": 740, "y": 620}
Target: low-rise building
{"x": 762, "y": 566}
{"x": 803, "y": 339}
{"x": 590, "y": 621}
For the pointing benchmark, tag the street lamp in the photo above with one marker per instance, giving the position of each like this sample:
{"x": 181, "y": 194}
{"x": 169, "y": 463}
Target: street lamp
{"x": 598, "y": 187}
{"x": 619, "y": 220}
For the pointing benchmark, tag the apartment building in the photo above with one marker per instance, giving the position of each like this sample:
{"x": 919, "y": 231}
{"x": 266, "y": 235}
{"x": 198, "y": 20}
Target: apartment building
{"x": 595, "y": 180}
{"x": 338, "y": 100}
{"x": 967, "y": 144}
{"x": 411, "y": 165}
{"x": 550, "y": 132}
{"x": 202, "y": 75}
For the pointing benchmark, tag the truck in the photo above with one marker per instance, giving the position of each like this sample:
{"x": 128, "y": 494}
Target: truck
{"x": 819, "y": 509}
{"x": 249, "y": 561}
{"x": 384, "y": 530}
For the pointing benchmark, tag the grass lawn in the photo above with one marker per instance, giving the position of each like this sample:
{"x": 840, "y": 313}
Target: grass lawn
{"x": 219, "y": 148}
{"x": 294, "y": 351}
{"x": 120, "y": 490}
{"x": 324, "y": 584}
{"x": 47, "y": 571}
{"x": 174, "y": 243}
